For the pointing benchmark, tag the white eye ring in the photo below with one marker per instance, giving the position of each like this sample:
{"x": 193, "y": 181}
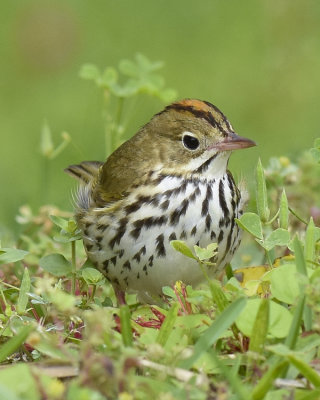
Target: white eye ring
{"x": 190, "y": 141}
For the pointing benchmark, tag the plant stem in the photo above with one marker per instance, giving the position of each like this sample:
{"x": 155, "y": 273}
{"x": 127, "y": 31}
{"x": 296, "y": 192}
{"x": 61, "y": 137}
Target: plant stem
{"x": 297, "y": 216}
{"x": 8, "y": 284}
{"x": 269, "y": 258}
{"x": 272, "y": 219}
{"x": 44, "y": 188}
{"x": 117, "y": 123}
{"x": 73, "y": 264}
{"x": 93, "y": 292}
{"x": 112, "y": 137}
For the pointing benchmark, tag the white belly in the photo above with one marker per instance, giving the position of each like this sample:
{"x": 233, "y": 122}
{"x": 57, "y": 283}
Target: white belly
{"x": 132, "y": 249}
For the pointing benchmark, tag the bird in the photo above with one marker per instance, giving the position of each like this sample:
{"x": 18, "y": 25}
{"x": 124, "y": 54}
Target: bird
{"x": 170, "y": 181}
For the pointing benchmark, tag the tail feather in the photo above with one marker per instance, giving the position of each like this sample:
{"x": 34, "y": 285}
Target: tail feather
{"x": 85, "y": 172}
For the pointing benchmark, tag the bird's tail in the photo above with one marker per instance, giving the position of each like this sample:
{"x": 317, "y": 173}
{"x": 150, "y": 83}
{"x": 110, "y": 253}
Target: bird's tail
{"x": 85, "y": 172}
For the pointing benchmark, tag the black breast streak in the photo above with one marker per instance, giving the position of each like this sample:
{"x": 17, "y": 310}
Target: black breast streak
{"x": 98, "y": 242}
{"x": 164, "y": 205}
{"x": 140, "y": 201}
{"x": 222, "y": 199}
{"x": 127, "y": 265}
{"x": 220, "y": 237}
{"x": 205, "y": 207}
{"x": 137, "y": 257}
{"x": 208, "y": 223}
{"x": 229, "y": 237}
{"x": 105, "y": 266}
{"x": 172, "y": 236}
{"x": 183, "y": 235}
{"x": 113, "y": 260}
{"x": 147, "y": 223}
{"x": 160, "y": 249}
{"x": 120, "y": 232}
{"x": 88, "y": 247}
{"x": 178, "y": 212}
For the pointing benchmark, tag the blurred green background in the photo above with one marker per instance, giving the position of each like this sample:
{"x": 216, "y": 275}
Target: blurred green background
{"x": 258, "y": 61}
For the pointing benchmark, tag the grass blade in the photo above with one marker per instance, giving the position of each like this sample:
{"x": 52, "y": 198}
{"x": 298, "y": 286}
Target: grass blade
{"x": 212, "y": 334}
{"x": 311, "y": 395}
{"x": 238, "y": 387}
{"x": 308, "y": 372}
{"x": 300, "y": 261}
{"x": 261, "y": 193}
{"x": 218, "y": 296}
{"x": 266, "y": 382}
{"x": 23, "y": 293}
{"x": 292, "y": 337}
{"x": 260, "y": 327}
{"x": 126, "y": 329}
{"x": 15, "y": 342}
{"x": 167, "y": 326}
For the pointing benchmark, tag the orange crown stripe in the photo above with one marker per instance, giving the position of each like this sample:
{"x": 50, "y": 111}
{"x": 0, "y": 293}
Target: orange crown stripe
{"x": 197, "y": 105}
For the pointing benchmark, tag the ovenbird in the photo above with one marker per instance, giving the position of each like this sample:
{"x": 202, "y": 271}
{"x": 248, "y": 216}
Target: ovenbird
{"x": 169, "y": 181}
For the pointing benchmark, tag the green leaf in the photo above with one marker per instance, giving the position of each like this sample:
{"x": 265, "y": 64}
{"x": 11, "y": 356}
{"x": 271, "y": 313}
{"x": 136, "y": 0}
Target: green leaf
{"x": 65, "y": 302}
{"x": 260, "y": 327}
{"x": 251, "y": 223}
{"x": 218, "y": 295}
{"x": 300, "y": 261}
{"x": 129, "y": 68}
{"x": 182, "y": 247}
{"x": 212, "y": 334}
{"x": 8, "y": 255}
{"x": 89, "y": 71}
{"x": 124, "y": 91}
{"x": 310, "y": 241}
{"x": 279, "y": 237}
{"x": 108, "y": 78}
{"x": 125, "y": 322}
{"x": 66, "y": 237}
{"x": 56, "y": 264}
{"x": 15, "y": 342}
{"x": 261, "y": 193}
{"x": 285, "y": 283}
{"x": 23, "y": 293}
{"x": 18, "y": 383}
{"x": 75, "y": 391}
{"x": 207, "y": 253}
{"x": 146, "y": 65}
{"x": 279, "y": 321}
{"x": 47, "y": 346}
{"x": 167, "y": 325}
{"x": 46, "y": 143}
{"x": 92, "y": 276}
{"x": 283, "y": 211}
{"x": 66, "y": 139}
{"x": 59, "y": 221}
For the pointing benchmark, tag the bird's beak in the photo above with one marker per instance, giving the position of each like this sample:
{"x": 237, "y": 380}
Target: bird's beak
{"x": 233, "y": 142}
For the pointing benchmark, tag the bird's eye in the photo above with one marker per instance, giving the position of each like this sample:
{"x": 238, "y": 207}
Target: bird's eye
{"x": 190, "y": 142}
